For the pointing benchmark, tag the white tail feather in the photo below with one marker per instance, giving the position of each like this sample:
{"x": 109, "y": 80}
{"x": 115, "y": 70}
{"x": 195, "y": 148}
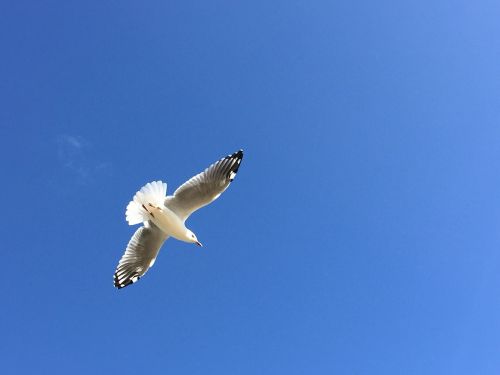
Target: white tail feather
{"x": 153, "y": 193}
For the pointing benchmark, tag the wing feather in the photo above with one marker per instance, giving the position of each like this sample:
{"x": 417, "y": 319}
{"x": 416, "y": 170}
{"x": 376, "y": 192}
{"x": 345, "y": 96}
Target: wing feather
{"x": 205, "y": 187}
{"x": 140, "y": 255}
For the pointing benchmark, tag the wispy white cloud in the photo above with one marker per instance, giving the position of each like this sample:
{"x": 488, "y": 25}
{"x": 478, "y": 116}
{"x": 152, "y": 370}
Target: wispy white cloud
{"x": 75, "y": 155}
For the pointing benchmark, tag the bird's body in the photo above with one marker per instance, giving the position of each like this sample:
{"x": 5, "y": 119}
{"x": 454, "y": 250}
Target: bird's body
{"x": 168, "y": 222}
{"x": 165, "y": 216}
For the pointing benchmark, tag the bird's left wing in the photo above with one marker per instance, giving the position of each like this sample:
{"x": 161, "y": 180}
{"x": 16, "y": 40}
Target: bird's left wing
{"x": 140, "y": 254}
{"x": 205, "y": 187}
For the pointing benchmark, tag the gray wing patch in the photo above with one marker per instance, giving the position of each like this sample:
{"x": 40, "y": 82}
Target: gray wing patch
{"x": 140, "y": 255}
{"x": 205, "y": 187}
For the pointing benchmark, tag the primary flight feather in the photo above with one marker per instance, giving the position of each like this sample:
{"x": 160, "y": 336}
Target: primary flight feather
{"x": 165, "y": 216}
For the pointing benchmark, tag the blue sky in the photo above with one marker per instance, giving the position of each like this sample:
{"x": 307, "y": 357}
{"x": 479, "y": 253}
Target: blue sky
{"x": 361, "y": 235}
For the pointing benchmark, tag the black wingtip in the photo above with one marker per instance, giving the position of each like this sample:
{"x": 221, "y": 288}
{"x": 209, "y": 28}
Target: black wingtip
{"x": 116, "y": 282}
{"x": 126, "y": 282}
{"x": 237, "y": 155}
{"x": 236, "y": 158}
{"x": 120, "y": 286}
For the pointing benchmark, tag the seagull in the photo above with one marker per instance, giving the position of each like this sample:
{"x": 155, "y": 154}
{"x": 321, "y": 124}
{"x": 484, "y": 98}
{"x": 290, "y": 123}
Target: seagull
{"x": 164, "y": 216}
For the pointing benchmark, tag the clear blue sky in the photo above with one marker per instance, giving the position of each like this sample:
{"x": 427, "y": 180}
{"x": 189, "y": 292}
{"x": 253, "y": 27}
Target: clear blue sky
{"x": 361, "y": 235}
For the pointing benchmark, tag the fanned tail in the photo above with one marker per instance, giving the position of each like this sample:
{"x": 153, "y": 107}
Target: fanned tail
{"x": 153, "y": 193}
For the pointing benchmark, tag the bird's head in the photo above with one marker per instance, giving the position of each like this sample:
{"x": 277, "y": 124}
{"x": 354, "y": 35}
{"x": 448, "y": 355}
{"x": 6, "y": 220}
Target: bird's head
{"x": 192, "y": 238}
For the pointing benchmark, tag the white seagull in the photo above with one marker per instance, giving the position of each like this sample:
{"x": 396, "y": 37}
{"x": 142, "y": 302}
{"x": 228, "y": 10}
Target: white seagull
{"x": 165, "y": 216}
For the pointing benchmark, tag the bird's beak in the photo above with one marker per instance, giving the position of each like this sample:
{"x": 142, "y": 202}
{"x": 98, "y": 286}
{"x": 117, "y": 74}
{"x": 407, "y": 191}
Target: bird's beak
{"x": 199, "y": 243}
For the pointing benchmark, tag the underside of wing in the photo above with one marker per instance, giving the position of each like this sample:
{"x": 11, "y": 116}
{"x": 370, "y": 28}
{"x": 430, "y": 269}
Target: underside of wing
{"x": 140, "y": 255}
{"x": 205, "y": 187}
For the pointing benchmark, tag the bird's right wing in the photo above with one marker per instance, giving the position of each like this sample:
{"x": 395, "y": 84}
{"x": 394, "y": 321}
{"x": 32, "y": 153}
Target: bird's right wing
{"x": 140, "y": 254}
{"x": 205, "y": 187}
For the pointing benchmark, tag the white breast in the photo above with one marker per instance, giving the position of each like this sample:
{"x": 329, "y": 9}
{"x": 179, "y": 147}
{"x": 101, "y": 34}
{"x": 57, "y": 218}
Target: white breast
{"x": 168, "y": 222}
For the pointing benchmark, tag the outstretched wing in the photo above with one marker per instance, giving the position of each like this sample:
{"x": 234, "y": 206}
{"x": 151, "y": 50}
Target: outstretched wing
{"x": 140, "y": 254}
{"x": 205, "y": 187}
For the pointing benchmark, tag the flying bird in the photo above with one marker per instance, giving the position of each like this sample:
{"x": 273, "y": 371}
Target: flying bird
{"x": 164, "y": 216}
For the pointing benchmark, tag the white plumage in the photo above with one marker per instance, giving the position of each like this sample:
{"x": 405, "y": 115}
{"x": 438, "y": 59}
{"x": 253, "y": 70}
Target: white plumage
{"x": 153, "y": 193}
{"x": 164, "y": 216}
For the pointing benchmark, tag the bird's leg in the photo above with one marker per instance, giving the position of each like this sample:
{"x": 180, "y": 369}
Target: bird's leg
{"x": 149, "y": 212}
